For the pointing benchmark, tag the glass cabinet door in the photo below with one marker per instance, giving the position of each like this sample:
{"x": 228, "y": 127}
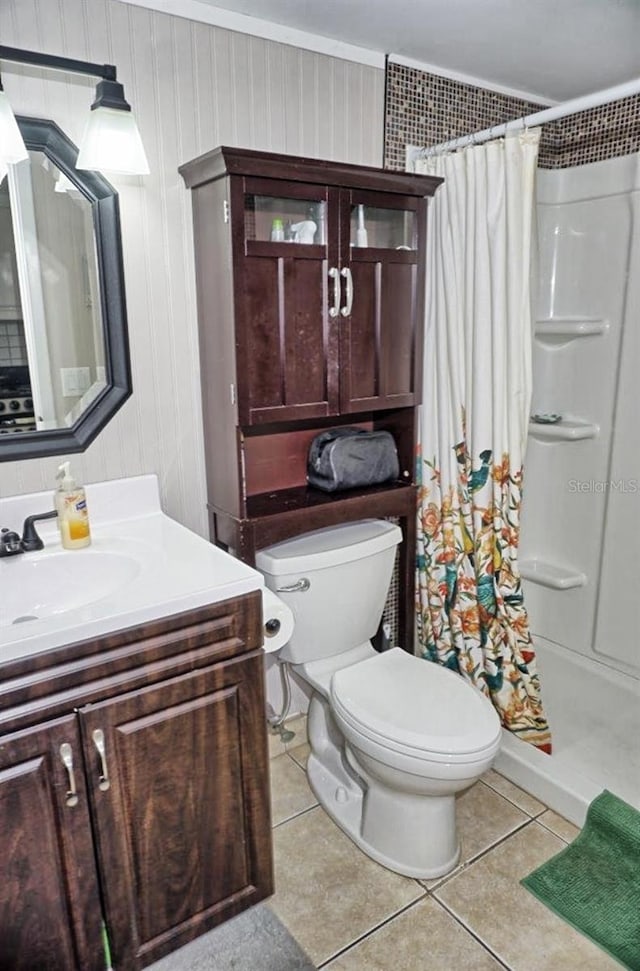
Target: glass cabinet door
{"x": 380, "y": 228}
{"x": 287, "y": 336}
{"x": 279, "y": 219}
{"x": 380, "y": 346}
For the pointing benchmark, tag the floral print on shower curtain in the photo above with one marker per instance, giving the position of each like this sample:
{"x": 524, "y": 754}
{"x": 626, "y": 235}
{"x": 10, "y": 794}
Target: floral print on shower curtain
{"x": 477, "y": 388}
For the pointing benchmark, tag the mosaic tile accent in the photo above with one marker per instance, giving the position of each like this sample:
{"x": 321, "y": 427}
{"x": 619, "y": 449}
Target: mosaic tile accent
{"x": 390, "y": 614}
{"x": 426, "y": 109}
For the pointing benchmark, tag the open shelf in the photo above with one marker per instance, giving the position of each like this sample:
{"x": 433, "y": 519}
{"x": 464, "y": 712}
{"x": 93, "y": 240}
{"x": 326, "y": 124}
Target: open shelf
{"x": 551, "y": 575}
{"x": 566, "y": 430}
{"x": 557, "y": 331}
{"x": 304, "y": 499}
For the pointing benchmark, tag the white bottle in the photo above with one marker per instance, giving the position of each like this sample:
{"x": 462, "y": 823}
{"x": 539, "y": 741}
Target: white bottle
{"x": 304, "y": 231}
{"x": 73, "y": 515}
{"x": 361, "y": 232}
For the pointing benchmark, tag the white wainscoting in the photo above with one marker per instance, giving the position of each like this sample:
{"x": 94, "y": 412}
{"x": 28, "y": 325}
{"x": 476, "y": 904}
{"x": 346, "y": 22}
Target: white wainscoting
{"x": 192, "y": 87}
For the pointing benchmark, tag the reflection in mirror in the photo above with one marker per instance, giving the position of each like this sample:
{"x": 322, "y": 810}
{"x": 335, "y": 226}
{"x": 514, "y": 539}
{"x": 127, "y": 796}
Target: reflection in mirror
{"x": 57, "y": 334}
{"x": 64, "y": 367}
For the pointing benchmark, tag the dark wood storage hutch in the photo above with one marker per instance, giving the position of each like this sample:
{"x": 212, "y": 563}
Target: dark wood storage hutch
{"x": 298, "y": 336}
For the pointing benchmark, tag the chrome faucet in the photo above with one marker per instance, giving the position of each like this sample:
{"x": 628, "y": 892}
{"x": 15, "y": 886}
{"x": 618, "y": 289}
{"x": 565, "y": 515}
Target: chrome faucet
{"x": 11, "y": 544}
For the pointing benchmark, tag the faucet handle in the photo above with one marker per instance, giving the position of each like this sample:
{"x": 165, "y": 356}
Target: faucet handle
{"x": 30, "y": 539}
{"x": 9, "y": 542}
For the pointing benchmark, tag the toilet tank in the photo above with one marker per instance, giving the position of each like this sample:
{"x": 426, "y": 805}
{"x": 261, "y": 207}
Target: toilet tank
{"x": 335, "y": 581}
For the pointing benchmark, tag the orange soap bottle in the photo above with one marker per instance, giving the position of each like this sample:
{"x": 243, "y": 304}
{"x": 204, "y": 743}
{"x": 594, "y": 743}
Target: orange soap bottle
{"x": 73, "y": 515}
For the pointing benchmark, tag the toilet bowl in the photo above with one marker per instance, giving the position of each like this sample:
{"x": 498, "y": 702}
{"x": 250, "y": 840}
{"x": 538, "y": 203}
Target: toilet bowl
{"x": 393, "y": 737}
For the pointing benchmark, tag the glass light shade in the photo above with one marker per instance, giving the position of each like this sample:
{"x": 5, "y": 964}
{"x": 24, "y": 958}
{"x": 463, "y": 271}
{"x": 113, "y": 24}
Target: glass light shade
{"x": 112, "y": 143}
{"x": 12, "y": 147}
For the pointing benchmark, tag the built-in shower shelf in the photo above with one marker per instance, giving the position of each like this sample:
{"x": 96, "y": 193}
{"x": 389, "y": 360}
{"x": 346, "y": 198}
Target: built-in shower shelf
{"x": 551, "y": 575}
{"x": 556, "y": 331}
{"x": 566, "y": 430}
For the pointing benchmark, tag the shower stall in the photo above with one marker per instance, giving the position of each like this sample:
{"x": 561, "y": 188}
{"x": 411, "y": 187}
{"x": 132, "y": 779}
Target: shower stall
{"x": 580, "y": 540}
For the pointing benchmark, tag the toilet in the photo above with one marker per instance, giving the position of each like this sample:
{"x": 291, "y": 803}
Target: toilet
{"x": 393, "y": 737}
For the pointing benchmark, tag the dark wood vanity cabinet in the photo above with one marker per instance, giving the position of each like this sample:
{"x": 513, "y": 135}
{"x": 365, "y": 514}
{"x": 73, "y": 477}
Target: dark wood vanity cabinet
{"x": 147, "y": 802}
{"x": 310, "y": 279}
{"x": 49, "y": 897}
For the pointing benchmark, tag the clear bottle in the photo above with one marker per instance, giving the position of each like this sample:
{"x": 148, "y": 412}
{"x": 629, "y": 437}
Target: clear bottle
{"x": 73, "y": 515}
{"x": 322, "y": 223}
{"x": 361, "y": 232}
{"x": 277, "y": 231}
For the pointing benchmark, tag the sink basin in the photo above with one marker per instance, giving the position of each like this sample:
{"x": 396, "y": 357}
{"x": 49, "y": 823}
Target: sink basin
{"x": 42, "y": 585}
{"x": 141, "y": 566}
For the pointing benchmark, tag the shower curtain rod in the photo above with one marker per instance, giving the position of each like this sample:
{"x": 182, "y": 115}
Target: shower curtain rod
{"x": 572, "y": 107}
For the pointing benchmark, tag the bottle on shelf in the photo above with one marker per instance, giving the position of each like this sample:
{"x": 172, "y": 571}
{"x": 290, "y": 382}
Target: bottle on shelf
{"x": 305, "y": 231}
{"x": 362, "y": 238}
{"x": 322, "y": 224}
{"x": 277, "y": 231}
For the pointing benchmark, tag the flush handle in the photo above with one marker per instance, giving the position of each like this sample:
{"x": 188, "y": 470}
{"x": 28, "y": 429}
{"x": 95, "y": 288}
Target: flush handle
{"x": 104, "y": 782}
{"x": 66, "y": 754}
{"x": 300, "y": 586}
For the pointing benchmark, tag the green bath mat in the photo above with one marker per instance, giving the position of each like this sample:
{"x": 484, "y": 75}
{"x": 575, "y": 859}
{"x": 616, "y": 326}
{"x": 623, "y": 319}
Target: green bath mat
{"x": 594, "y": 884}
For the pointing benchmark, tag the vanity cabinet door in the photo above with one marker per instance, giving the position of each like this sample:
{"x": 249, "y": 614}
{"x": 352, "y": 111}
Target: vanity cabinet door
{"x": 49, "y": 902}
{"x": 178, "y": 781}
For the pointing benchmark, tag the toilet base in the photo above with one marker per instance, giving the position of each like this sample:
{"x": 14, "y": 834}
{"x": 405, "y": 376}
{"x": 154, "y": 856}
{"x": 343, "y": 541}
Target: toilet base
{"x": 411, "y": 835}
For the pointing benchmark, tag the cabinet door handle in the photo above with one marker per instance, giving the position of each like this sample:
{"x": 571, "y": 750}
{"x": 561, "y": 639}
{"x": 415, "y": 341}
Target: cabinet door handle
{"x": 334, "y": 273}
{"x": 346, "y": 273}
{"x": 66, "y": 754}
{"x": 98, "y": 740}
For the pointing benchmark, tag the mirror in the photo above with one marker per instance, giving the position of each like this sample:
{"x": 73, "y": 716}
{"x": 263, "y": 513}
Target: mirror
{"x": 64, "y": 354}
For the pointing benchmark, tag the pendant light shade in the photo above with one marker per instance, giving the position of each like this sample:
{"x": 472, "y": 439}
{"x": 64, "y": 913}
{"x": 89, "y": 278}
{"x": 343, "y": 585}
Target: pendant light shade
{"x": 12, "y": 147}
{"x": 112, "y": 143}
{"x": 111, "y": 140}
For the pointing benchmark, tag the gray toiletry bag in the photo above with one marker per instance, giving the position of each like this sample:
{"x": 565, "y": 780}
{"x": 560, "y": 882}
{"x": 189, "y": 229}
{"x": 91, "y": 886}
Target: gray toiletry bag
{"x": 345, "y": 458}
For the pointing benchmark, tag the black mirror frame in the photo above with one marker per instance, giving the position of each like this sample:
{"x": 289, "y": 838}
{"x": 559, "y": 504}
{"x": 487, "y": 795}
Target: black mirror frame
{"x": 45, "y": 136}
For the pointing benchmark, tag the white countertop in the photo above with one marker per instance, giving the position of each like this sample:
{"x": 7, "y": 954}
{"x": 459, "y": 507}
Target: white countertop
{"x": 167, "y": 569}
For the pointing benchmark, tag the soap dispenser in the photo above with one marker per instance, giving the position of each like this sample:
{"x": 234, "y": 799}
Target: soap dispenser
{"x": 73, "y": 515}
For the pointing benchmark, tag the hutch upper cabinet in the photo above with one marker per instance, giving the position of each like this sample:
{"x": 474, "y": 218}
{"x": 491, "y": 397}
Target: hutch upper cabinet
{"x": 310, "y": 279}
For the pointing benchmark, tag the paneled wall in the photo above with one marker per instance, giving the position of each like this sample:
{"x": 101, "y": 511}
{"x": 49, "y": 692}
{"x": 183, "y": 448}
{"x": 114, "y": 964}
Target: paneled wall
{"x": 192, "y": 87}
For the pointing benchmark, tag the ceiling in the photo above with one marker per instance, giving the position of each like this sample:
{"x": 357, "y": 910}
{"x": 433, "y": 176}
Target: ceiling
{"x": 552, "y": 50}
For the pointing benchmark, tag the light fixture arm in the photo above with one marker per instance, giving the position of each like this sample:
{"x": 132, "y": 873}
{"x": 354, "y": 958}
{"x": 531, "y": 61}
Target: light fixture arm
{"x": 19, "y": 56}
{"x": 111, "y": 140}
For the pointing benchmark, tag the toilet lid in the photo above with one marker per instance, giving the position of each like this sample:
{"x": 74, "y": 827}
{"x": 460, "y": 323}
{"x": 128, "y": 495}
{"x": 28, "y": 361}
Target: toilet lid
{"x": 414, "y": 706}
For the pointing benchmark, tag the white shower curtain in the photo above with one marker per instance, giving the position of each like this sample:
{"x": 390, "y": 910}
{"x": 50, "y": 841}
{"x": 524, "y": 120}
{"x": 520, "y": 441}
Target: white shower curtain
{"x": 475, "y": 412}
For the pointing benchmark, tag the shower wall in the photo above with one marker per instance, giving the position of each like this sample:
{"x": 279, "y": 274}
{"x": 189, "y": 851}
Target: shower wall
{"x": 580, "y": 545}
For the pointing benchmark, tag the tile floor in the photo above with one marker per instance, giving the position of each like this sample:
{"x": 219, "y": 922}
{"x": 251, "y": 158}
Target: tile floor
{"x": 350, "y": 914}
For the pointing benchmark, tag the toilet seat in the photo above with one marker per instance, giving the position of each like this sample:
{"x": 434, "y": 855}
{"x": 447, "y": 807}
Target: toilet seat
{"x": 404, "y": 704}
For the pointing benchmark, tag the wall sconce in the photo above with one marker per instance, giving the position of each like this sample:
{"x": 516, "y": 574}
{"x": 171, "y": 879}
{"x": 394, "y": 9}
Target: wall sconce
{"x": 111, "y": 140}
